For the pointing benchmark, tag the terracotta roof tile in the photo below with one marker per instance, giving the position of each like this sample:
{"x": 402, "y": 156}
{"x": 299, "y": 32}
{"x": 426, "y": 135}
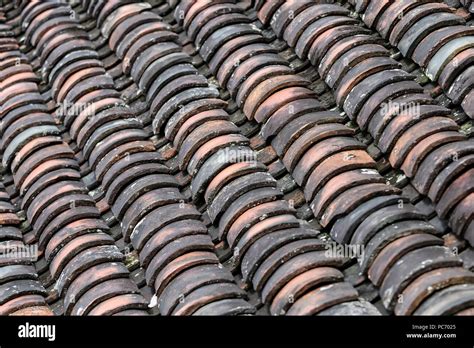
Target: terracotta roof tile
{"x": 109, "y": 141}
{"x": 262, "y": 93}
{"x": 166, "y": 155}
{"x": 430, "y": 34}
{"x": 241, "y": 193}
{"x": 55, "y": 198}
{"x": 22, "y": 292}
{"x": 364, "y": 89}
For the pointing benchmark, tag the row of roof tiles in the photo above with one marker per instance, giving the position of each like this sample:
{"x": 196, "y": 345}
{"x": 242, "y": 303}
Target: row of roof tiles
{"x": 433, "y": 36}
{"x": 191, "y": 136}
{"x": 273, "y": 249}
{"x": 415, "y": 132}
{"x": 334, "y": 170}
{"x": 171, "y": 240}
{"x": 21, "y": 291}
{"x": 190, "y": 272}
{"x": 65, "y": 220}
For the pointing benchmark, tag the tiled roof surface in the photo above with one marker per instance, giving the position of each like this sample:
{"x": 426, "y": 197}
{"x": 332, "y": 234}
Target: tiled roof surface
{"x": 209, "y": 158}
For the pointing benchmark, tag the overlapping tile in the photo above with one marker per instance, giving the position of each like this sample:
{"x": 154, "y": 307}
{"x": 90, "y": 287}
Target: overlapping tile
{"x": 275, "y": 253}
{"x": 56, "y": 202}
{"x": 241, "y": 197}
{"x": 385, "y": 101}
{"x": 140, "y": 190}
{"x": 318, "y": 174}
{"x": 433, "y": 36}
{"x": 21, "y": 291}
